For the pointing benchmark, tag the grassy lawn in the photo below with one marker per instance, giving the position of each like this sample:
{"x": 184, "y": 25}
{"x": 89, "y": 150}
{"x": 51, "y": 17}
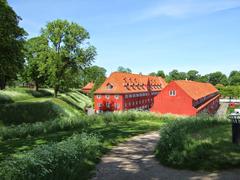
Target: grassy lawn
{"x": 110, "y": 133}
{"x": 203, "y": 144}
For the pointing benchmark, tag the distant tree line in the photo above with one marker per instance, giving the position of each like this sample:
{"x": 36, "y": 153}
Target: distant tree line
{"x": 214, "y": 78}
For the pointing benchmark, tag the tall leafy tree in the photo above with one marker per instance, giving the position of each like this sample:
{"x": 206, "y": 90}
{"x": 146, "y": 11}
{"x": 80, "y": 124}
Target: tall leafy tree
{"x": 123, "y": 69}
{"x": 152, "y": 74}
{"x": 69, "y": 52}
{"x": 11, "y": 44}
{"x": 176, "y": 75}
{"x": 161, "y": 74}
{"x": 36, "y": 53}
{"x": 92, "y": 73}
{"x": 193, "y": 75}
{"x": 234, "y": 78}
{"x": 218, "y": 78}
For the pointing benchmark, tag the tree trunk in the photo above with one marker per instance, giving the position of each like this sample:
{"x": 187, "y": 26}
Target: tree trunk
{"x": 56, "y": 89}
{"x": 2, "y": 83}
{"x": 36, "y": 86}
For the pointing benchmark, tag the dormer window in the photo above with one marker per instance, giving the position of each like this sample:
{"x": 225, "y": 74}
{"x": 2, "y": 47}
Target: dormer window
{"x": 109, "y": 86}
{"x": 172, "y": 93}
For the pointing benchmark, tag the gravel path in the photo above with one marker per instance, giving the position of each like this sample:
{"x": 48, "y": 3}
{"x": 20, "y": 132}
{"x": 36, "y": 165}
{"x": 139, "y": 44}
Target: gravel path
{"x": 222, "y": 111}
{"x": 134, "y": 160}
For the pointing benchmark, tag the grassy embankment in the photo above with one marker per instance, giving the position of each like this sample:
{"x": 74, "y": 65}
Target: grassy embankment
{"x": 32, "y": 125}
{"x": 198, "y": 144}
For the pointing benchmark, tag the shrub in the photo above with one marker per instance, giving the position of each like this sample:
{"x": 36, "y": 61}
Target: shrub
{"x": 178, "y": 147}
{"x": 65, "y": 160}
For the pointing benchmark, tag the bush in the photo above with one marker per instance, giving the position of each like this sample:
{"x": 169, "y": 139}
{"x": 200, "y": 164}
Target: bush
{"x": 178, "y": 146}
{"x": 68, "y": 159}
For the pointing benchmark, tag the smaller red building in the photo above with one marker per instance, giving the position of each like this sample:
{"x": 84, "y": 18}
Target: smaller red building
{"x": 185, "y": 97}
{"x": 87, "y": 89}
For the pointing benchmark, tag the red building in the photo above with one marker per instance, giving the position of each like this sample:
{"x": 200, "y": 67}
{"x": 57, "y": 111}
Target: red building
{"x": 124, "y": 91}
{"x": 185, "y": 97}
{"x": 87, "y": 89}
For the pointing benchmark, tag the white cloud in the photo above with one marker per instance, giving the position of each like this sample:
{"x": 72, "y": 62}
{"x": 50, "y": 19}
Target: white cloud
{"x": 186, "y": 8}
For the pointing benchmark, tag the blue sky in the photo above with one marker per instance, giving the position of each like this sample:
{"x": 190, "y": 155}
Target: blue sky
{"x": 149, "y": 35}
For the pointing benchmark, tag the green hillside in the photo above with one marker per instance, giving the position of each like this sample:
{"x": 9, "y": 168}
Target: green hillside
{"x": 21, "y": 105}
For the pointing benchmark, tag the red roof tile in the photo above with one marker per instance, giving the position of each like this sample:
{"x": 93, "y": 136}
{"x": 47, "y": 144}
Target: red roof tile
{"x": 88, "y": 86}
{"x": 130, "y": 83}
{"x": 196, "y": 90}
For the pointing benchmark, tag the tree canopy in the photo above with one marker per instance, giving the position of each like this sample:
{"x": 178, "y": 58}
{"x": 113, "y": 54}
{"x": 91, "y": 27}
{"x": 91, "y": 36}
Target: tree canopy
{"x": 11, "y": 44}
{"x": 123, "y": 69}
{"x": 36, "y": 53}
{"x": 68, "y": 54}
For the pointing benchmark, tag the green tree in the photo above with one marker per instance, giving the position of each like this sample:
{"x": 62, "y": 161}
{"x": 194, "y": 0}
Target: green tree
{"x": 193, "y": 75}
{"x": 176, "y": 75}
{"x": 123, "y": 69}
{"x": 11, "y": 44}
{"x": 218, "y": 78}
{"x": 69, "y": 53}
{"x": 92, "y": 73}
{"x": 234, "y": 78}
{"x": 204, "y": 78}
{"x": 152, "y": 74}
{"x": 36, "y": 50}
{"x": 161, "y": 74}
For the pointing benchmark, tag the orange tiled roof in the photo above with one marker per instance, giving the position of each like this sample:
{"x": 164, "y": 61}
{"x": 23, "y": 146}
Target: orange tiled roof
{"x": 196, "y": 90}
{"x": 88, "y": 86}
{"x": 130, "y": 83}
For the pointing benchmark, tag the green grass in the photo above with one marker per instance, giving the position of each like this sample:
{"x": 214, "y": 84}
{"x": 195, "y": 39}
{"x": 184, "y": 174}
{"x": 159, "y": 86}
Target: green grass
{"x": 112, "y": 128}
{"x": 22, "y": 105}
{"x": 202, "y": 144}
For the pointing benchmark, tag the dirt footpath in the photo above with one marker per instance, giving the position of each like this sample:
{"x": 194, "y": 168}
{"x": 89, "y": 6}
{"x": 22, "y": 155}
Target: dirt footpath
{"x": 134, "y": 159}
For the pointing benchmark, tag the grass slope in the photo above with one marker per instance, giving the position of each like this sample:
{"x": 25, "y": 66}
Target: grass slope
{"x": 22, "y": 105}
{"x": 198, "y": 144}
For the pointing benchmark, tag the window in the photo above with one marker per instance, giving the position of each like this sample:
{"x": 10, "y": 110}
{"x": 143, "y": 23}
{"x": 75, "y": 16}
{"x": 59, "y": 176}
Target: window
{"x": 108, "y": 105}
{"x": 172, "y": 93}
{"x": 107, "y": 96}
{"x": 130, "y": 96}
{"x": 109, "y": 86}
{"x": 116, "y": 105}
{"x": 99, "y": 96}
{"x": 99, "y": 105}
{"x": 116, "y": 96}
{"x": 126, "y": 96}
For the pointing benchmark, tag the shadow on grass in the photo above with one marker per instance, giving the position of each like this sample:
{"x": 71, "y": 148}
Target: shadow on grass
{"x": 39, "y": 93}
{"x": 17, "y": 146}
{"x": 28, "y": 112}
{"x": 4, "y": 99}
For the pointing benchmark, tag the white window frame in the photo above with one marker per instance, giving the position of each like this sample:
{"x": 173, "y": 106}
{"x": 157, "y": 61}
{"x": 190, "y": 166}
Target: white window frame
{"x": 116, "y": 106}
{"x": 172, "y": 93}
{"x": 126, "y": 96}
{"x": 99, "y": 96}
{"x": 107, "y": 96}
{"x": 116, "y": 96}
{"x": 99, "y": 105}
{"x": 108, "y": 105}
